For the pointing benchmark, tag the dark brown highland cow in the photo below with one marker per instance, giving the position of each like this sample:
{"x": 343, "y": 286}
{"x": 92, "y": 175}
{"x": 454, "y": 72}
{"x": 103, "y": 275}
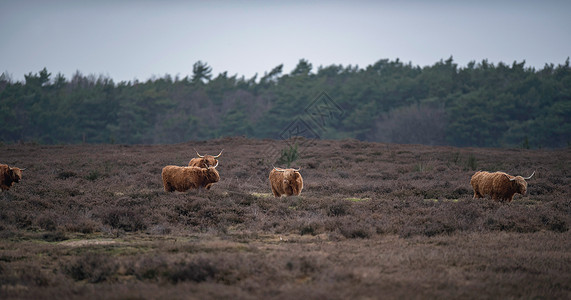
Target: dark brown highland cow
{"x": 181, "y": 179}
{"x": 204, "y": 161}
{"x": 499, "y": 185}
{"x": 285, "y": 182}
{"x": 9, "y": 176}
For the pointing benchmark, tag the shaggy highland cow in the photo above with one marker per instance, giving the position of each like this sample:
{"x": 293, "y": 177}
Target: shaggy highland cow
{"x": 285, "y": 182}
{"x": 9, "y": 176}
{"x": 181, "y": 179}
{"x": 204, "y": 161}
{"x": 499, "y": 185}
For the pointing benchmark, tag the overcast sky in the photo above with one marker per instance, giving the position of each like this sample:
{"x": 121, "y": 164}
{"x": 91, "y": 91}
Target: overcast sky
{"x": 128, "y": 40}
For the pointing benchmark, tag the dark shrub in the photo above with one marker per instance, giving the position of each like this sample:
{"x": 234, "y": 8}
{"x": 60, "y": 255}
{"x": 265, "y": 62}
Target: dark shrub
{"x": 151, "y": 268}
{"x": 91, "y": 267}
{"x": 46, "y": 222}
{"x": 56, "y": 236}
{"x": 66, "y": 175}
{"x": 198, "y": 270}
{"x": 513, "y": 218}
{"x": 338, "y": 207}
{"x": 93, "y": 175}
{"x": 83, "y": 225}
{"x": 312, "y": 228}
{"x": 444, "y": 218}
{"x": 123, "y": 218}
{"x": 353, "y": 228}
{"x": 352, "y": 232}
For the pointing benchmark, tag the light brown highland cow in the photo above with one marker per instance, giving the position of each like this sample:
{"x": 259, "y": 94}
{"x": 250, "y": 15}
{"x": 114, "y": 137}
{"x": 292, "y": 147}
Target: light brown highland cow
{"x": 9, "y": 176}
{"x": 499, "y": 185}
{"x": 285, "y": 182}
{"x": 181, "y": 179}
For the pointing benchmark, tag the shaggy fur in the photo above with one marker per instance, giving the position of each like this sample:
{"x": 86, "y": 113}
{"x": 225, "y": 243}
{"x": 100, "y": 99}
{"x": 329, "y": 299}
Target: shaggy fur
{"x": 181, "y": 179}
{"x": 497, "y": 185}
{"x": 285, "y": 182}
{"x": 9, "y": 176}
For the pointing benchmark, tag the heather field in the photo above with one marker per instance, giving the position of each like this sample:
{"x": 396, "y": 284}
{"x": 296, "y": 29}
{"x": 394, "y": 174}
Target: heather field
{"x": 374, "y": 221}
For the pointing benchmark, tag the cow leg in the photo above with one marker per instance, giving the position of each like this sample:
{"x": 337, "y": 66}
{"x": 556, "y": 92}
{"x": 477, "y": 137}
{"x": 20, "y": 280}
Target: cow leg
{"x": 276, "y": 194}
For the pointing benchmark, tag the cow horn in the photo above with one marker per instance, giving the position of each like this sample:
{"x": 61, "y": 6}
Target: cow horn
{"x": 201, "y": 156}
{"x": 278, "y": 169}
{"x": 530, "y": 176}
{"x": 297, "y": 170}
{"x": 508, "y": 176}
{"x": 215, "y": 165}
{"x": 219, "y": 154}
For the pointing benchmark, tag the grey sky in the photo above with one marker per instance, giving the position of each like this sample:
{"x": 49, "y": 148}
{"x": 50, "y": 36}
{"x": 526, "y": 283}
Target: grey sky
{"x": 128, "y": 40}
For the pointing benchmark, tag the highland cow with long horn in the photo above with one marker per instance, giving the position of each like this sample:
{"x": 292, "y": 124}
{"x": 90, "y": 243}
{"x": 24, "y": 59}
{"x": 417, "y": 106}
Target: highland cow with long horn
{"x": 181, "y": 179}
{"x": 499, "y": 185}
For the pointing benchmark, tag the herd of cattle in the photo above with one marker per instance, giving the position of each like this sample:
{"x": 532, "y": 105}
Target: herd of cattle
{"x": 201, "y": 173}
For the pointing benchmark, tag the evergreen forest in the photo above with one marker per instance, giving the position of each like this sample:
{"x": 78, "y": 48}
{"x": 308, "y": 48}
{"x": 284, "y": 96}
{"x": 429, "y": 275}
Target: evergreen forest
{"x": 479, "y": 105}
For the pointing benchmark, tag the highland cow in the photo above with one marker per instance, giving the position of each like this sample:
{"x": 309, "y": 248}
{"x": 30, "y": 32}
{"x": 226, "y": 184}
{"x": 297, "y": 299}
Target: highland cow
{"x": 181, "y": 179}
{"x": 285, "y": 182}
{"x": 499, "y": 185}
{"x": 204, "y": 161}
{"x": 9, "y": 176}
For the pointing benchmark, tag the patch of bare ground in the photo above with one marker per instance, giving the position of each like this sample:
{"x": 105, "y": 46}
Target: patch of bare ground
{"x": 373, "y": 220}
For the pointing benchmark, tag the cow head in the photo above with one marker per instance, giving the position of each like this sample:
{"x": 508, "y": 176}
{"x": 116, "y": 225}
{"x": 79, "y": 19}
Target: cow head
{"x": 205, "y": 161}
{"x": 16, "y": 174}
{"x": 212, "y": 174}
{"x": 520, "y": 183}
{"x": 291, "y": 177}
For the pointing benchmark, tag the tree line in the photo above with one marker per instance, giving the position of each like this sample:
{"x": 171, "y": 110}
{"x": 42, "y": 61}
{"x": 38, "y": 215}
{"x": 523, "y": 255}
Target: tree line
{"x": 482, "y": 105}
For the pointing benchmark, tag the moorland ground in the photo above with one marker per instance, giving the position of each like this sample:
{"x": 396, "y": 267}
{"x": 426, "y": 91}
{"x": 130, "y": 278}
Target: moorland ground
{"x": 373, "y": 221}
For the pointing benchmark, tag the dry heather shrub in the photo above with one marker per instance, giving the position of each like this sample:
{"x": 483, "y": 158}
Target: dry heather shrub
{"x": 83, "y": 225}
{"x": 198, "y": 270}
{"x": 351, "y": 227}
{"x": 91, "y": 267}
{"x": 338, "y": 207}
{"x": 442, "y": 218}
{"x": 54, "y": 236}
{"x": 123, "y": 218}
{"x": 304, "y": 265}
{"x": 149, "y": 267}
{"x": 527, "y": 219}
{"x": 22, "y": 276}
{"x": 46, "y": 221}
{"x": 312, "y": 226}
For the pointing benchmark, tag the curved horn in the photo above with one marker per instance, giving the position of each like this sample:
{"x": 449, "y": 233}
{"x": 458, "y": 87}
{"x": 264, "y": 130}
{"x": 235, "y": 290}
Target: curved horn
{"x": 278, "y": 169}
{"x": 508, "y": 176}
{"x": 214, "y": 166}
{"x": 217, "y": 156}
{"x": 201, "y": 156}
{"x": 526, "y": 178}
{"x": 297, "y": 170}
